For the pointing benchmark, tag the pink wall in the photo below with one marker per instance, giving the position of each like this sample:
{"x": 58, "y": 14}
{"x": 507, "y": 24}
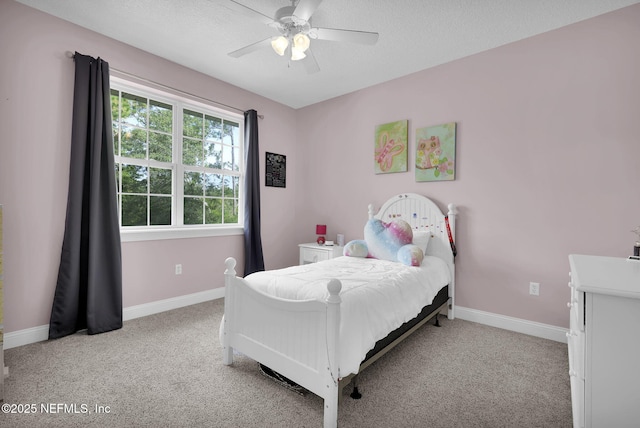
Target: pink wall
{"x": 548, "y": 159}
{"x": 36, "y": 87}
{"x": 547, "y": 155}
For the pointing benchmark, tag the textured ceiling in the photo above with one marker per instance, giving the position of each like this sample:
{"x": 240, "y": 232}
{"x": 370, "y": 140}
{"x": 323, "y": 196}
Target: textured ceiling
{"x": 414, "y": 35}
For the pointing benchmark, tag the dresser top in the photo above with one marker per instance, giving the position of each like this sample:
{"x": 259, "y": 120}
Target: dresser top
{"x": 606, "y": 275}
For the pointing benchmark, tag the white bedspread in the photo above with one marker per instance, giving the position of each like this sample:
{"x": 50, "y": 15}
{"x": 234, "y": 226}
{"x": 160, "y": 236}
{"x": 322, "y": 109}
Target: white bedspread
{"x": 378, "y": 296}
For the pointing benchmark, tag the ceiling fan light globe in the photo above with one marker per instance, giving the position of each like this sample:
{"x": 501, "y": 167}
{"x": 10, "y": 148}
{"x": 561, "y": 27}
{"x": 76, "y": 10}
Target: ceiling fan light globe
{"x": 301, "y": 41}
{"x": 279, "y": 45}
{"x": 297, "y": 54}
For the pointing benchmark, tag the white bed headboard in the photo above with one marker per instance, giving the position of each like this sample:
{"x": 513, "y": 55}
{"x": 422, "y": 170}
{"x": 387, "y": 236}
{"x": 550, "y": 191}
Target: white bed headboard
{"x": 423, "y": 215}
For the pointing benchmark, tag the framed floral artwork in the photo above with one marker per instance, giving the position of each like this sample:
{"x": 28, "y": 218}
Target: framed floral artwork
{"x": 390, "y": 151}
{"x": 436, "y": 153}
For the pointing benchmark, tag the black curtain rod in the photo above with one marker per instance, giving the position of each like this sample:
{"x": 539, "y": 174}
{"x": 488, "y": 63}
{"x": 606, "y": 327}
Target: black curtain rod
{"x": 124, "y": 73}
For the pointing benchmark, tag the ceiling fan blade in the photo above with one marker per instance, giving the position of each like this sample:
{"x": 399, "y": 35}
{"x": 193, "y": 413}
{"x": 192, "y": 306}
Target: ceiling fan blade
{"x": 251, "y": 48}
{"x": 310, "y": 63}
{"x": 247, "y": 11}
{"x": 305, "y": 8}
{"x": 354, "y": 36}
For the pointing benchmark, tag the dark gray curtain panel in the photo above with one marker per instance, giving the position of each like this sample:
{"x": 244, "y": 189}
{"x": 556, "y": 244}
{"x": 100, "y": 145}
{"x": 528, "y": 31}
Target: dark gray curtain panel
{"x": 89, "y": 287}
{"x": 253, "y": 258}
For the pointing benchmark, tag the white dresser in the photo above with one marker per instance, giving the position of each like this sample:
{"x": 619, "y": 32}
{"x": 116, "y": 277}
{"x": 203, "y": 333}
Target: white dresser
{"x": 2, "y": 367}
{"x": 312, "y": 253}
{"x": 604, "y": 341}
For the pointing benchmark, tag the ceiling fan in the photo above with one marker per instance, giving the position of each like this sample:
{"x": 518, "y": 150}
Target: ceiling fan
{"x": 294, "y": 25}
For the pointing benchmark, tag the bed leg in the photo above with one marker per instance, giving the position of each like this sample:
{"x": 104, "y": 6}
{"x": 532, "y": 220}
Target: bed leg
{"x": 355, "y": 394}
{"x": 227, "y": 356}
{"x": 227, "y": 351}
{"x": 331, "y": 409}
{"x": 437, "y": 321}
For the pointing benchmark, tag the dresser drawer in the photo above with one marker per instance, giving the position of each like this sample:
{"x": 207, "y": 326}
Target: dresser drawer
{"x": 576, "y": 305}
{"x": 577, "y": 401}
{"x": 576, "y": 344}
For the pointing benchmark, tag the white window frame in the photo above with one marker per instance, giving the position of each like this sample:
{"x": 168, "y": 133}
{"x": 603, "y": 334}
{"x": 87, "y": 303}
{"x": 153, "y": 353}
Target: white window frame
{"x": 180, "y": 102}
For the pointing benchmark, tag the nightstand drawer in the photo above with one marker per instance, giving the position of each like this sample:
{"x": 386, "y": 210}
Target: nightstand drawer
{"x": 310, "y": 255}
{"x": 313, "y": 253}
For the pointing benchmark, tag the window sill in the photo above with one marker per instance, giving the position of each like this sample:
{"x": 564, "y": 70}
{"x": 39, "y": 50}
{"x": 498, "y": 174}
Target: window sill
{"x": 178, "y": 233}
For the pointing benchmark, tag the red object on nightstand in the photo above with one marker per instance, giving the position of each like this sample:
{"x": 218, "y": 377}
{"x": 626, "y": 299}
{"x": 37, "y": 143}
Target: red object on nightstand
{"x": 321, "y": 229}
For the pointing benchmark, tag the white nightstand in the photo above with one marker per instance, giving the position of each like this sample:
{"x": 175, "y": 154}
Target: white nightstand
{"x": 311, "y": 253}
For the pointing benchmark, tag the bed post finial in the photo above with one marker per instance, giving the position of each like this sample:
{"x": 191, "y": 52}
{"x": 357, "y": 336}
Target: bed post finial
{"x": 370, "y": 207}
{"x": 230, "y": 264}
{"x": 334, "y": 286}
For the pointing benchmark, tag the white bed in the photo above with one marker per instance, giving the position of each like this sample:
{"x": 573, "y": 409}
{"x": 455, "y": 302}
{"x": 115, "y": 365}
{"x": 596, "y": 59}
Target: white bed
{"x": 315, "y": 324}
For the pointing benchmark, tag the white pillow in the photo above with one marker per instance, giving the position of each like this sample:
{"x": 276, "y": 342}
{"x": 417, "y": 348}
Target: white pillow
{"x": 421, "y": 239}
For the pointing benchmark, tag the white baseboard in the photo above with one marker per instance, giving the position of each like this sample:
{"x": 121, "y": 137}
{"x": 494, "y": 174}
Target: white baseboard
{"x": 40, "y": 333}
{"x": 26, "y": 336}
{"x": 146, "y": 309}
{"x": 531, "y": 328}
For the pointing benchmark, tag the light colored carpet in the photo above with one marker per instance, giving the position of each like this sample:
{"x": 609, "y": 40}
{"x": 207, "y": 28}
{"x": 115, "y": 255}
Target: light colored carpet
{"x": 165, "y": 370}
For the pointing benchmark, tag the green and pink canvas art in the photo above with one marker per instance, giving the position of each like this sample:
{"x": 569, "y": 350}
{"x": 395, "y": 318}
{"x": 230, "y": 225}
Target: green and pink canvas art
{"x": 390, "y": 151}
{"x": 436, "y": 152}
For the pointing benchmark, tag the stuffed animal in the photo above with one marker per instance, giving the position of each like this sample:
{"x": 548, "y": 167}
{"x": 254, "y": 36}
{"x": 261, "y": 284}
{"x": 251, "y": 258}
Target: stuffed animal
{"x": 387, "y": 241}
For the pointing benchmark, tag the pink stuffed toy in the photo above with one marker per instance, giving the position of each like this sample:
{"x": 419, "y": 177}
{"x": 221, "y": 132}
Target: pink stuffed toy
{"x": 387, "y": 241}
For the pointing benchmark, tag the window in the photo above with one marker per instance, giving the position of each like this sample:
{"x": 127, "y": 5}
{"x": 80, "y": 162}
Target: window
{"x": 178, "y": 165}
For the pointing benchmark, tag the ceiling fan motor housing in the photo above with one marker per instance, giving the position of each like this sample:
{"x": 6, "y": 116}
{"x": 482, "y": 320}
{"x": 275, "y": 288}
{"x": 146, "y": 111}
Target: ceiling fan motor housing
{"x": 288, "y": 23}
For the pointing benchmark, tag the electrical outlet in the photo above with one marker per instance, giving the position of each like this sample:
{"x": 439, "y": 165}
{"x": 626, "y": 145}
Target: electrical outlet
{"x": 178, "y": 269}
{"x": 534, "y": 288}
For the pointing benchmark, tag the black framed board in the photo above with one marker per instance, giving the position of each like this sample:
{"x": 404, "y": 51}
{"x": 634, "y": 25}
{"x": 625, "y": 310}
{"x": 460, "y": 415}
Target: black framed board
{"x": 276, "y": 170}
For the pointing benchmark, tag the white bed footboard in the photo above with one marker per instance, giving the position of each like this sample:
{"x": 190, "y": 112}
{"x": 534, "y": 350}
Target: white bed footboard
{"x": 298, "y": 339}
